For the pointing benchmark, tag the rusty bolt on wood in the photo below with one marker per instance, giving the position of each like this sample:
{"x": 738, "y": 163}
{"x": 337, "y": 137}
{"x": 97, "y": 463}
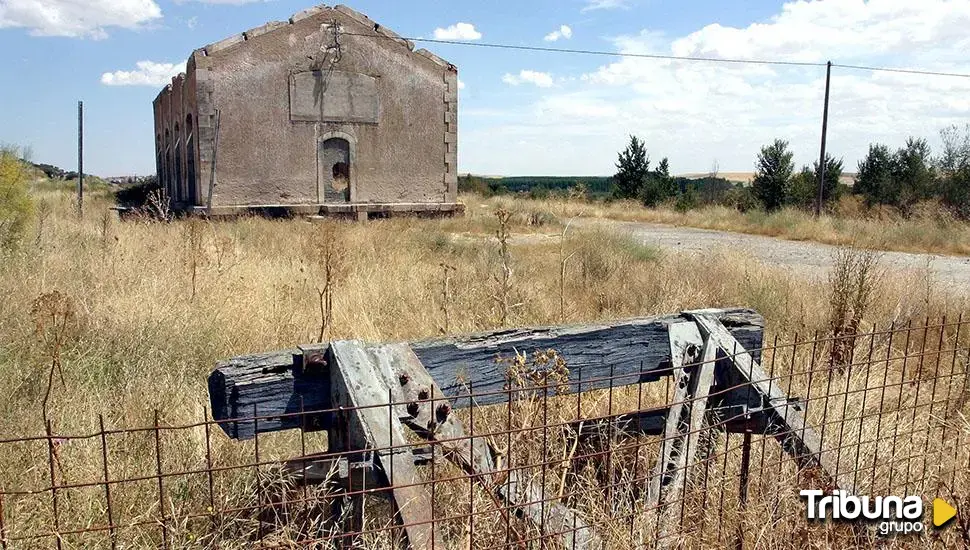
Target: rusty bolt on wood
{"x": 443, "y": 411}
{"x": 404, "y": 378}
{"x": 424, "y": 394}
{"x": 413, "y": 409}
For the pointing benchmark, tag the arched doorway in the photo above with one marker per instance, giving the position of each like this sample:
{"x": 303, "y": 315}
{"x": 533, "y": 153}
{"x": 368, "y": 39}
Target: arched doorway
{"x": 167, "y": 172}
{"x": 193, "y": 185}
{"x": 180, "y": 194}
{"x": 334, "y": 165}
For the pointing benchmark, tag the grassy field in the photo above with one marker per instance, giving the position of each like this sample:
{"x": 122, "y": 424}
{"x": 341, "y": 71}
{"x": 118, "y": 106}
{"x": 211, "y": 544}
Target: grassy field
{"x": 929, "y": 229}
{"x": 136, "y": 313}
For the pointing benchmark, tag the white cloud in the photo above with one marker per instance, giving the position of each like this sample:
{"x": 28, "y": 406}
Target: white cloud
{"x": 458, "y": 31}
{"x": 225, "y": 2}
{"x": 695, "y": 112}
{"x": 563, "y": 32}
{"x": 74, "y": 18}
{"x": 542, "y": 80}
{"x": 461, "y": 84}
{"x": 592, "y": 5}
{"x": 146, "y": 73}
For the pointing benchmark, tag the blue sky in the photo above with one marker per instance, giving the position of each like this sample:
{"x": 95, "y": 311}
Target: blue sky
{"x": 527, "y": 112}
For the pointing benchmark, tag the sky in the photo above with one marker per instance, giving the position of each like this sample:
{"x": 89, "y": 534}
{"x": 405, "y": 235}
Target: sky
{"x": 521, "y": 112}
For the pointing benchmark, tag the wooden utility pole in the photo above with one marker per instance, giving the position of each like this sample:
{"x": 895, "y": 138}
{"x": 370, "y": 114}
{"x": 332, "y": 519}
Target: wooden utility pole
{"x": 80, "y": 158}
{"x": 825, "y": 125}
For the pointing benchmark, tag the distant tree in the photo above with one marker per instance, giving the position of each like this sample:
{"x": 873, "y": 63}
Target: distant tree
{"x": 830, "y": 187}
{"x": 913, "y": 173}
{"x": 874, "y": 180}
{"x": 632, "y": 168}
{"x": 687, "y": 200}
{"x": 667, "y": 183}
{"x": 803, "y": 189}
{"x": 773, "y": 174}
{"x": 659, "y": 186}
{"x": 954, "y": 168}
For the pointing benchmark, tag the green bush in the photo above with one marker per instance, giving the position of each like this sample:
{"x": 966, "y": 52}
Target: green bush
{"x": 741, "y": 198}
{"x": 687, "y": 200}
{"x": 16, "y": 207}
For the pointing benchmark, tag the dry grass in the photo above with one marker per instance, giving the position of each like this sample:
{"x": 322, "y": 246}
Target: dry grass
{"x": 930, "y": 229}
{"x": 154, "y": 305}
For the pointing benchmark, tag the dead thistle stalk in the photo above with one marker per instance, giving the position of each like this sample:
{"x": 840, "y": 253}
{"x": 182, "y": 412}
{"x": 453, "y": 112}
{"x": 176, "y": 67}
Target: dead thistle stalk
{"x": 194, "y": 236}
{"x": 329, "y": 256}
{"x": 503, "y": 297}
{"x": 55, "y": 322}
{"x": 562, "y": 271}
{"x": 446, "y": 296}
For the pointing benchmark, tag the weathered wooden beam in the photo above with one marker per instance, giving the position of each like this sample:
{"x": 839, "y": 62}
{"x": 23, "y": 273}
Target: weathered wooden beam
{"x": 686, "y": 419}
{"x": 277, "y": 386}
{"x": 791, "y": 427}
{"x": 326, "y": 468}
{"x": 359, "y": 390}
{"x": 730, "y": 418}
{"x": 431, "y": 417}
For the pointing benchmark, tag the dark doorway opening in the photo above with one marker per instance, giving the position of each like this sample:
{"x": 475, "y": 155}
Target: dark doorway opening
{"x": 334, "y": 170}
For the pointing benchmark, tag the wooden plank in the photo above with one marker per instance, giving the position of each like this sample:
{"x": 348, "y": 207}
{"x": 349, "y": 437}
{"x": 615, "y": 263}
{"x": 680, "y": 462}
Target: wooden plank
{"x": 637, "y": 350}
{"x": 361, "y": 393}
{"x": 433, "y": 419}
{"x": 326, "y": 468}
{"x": 685, "y": 348}
{"x": 794, "y": 433}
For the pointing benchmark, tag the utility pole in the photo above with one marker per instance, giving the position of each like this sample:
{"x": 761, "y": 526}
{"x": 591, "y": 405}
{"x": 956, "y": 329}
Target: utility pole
{"x": 825, "y": 127}
{"x": 80, "y": 158}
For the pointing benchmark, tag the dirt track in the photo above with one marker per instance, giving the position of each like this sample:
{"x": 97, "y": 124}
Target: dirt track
{"x": 808, "y": 258}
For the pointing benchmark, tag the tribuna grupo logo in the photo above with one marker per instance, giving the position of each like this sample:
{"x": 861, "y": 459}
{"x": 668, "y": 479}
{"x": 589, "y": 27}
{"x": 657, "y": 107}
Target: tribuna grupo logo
{"x": 896, "y": 515}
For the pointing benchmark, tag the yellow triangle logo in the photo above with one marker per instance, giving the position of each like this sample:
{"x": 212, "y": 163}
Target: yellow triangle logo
{"x": 942, "y": 512}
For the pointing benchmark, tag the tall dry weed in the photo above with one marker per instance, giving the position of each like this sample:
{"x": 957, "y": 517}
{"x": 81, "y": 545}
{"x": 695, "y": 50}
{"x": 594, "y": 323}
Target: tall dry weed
{"x": 852, "y": 282}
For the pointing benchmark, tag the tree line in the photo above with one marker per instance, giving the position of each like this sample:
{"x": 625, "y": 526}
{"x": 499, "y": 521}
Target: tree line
{"x": 899, "y": 179}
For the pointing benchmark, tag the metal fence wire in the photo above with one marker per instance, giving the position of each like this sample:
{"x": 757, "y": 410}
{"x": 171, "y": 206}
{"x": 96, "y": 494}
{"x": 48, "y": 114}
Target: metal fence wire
{"x": 564, "y": 467}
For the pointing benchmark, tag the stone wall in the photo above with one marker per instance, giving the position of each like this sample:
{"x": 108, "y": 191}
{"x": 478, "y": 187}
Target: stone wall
{"x": 284, "y": 88}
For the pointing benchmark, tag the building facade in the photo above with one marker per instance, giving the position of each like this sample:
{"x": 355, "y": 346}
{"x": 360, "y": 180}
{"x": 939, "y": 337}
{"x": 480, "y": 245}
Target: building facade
{"x": 326, "y": 112}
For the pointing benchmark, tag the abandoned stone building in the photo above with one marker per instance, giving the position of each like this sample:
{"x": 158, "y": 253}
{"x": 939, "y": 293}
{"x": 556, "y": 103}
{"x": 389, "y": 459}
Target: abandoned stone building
{"x": 328, "y": 112}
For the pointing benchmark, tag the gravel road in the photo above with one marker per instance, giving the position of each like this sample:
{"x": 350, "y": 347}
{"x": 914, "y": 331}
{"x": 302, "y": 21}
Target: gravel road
{"x": 804, "y": 257}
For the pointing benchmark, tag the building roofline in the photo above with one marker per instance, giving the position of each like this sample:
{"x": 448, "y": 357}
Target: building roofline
{"x": 274, "y": 26}
{"x": 357, "y": 16}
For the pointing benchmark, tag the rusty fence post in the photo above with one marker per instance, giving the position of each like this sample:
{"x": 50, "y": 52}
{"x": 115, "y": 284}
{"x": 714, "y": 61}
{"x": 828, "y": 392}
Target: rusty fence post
{"x": 161, "y": 485}
{"x": 743, "y": 487}
{"x": 3, "y": 528}
{"x": 53, "y": 479}
{"x": 107, "y": 482}
{"x": 208, "y": 468}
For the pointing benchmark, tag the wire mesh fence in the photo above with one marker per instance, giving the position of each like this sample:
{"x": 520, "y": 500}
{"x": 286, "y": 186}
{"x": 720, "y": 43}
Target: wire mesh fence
{"x": 569, "y": 468}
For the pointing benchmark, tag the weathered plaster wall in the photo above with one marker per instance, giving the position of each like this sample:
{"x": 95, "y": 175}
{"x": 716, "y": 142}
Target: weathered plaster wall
{"x": 172, "y": 107}
{"x": 264, "y": 157}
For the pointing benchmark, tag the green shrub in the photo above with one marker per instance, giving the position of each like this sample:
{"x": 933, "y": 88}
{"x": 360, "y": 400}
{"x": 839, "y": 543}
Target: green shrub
{"x": 16, "y": 207}
{"x": 687, "y": 200}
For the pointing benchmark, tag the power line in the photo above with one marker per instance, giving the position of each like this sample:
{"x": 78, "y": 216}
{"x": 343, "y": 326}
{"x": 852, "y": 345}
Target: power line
{"x": 671, "y": 57}
{"x": 604, "y": 53}
{"x": 904, "y": 71}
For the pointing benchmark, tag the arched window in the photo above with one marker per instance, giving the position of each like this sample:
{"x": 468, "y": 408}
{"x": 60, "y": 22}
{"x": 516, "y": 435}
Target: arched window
{"x": 159, "y": 163}
{"x": 190, "y": 179}
{"x": 167, "y": 167}
{"x": 180, "y": 195}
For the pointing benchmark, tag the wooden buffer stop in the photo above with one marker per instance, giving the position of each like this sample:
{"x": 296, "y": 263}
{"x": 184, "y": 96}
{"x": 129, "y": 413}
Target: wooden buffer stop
{"x": 367, "y": 396}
